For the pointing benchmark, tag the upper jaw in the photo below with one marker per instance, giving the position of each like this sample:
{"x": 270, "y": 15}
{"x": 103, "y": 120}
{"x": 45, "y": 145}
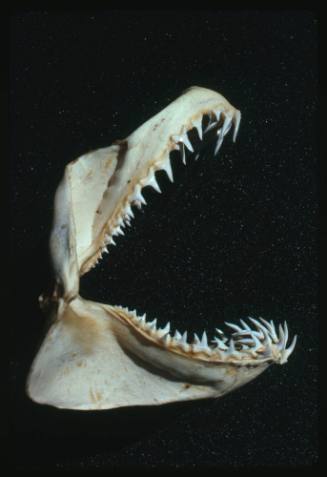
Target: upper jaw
{"x": 138, "y": 160}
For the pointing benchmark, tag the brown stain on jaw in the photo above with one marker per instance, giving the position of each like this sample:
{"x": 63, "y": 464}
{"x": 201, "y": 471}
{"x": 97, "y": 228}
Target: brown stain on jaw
{"x": 84, "y": 329}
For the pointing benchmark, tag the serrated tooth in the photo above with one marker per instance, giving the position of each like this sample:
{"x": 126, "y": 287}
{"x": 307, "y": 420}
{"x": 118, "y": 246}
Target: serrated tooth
{"x": 288, "y": 351}
{"x": 166, "y": 166}
{"x": 151, "y": 181}
{"x": 197, "y": 123}
{"x": 236, "y": 122}
{"x": 233, "y": 326}
{"x": 187, "y": 142}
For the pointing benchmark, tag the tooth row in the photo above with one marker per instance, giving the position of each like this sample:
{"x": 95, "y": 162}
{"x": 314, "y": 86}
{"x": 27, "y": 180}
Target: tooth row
{"x": 245, "y": 343}
{"x": 180, "y": 142}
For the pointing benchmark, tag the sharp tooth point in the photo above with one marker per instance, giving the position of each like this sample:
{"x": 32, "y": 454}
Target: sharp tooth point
{"x": 177, "y": 335}
{"x": 187, "y": 142}
{"x": 196, "y": 340}
{"x": 236, "y": 122}
{"x": 167, "y": 168}
{"x": 204, "y": 340}
{"x": 219, "y": 143}
{"x": 167, "y": 339}
{"x": 288, "y": 351}
{"x": 151, "y": 181}
{"x": 245, "y": 325}
{"x": 183, "y": 154}
{"x": 210, "y": 125}
{"x": 152, "y": 325}
{"x": 233, "y": 326}
{"x": 165, "y": 330}
{"x": 184, "y": 337}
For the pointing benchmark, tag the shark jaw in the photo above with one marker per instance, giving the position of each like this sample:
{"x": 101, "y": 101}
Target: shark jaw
{"x": 98, "y": 356}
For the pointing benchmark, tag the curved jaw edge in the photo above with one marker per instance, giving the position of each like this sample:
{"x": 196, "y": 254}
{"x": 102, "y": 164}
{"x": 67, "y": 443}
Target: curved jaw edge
{"x": 99, "y": 356}
{"x": 94, "y": 358}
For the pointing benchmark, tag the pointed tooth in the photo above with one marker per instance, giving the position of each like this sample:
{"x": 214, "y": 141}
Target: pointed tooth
{"x": 257, "y": 343}
{"x": 210, "y": 126}
{"x": 236, "y": 122}
{"x": 184, "y": 344}
{"x": 112, "y": 241}
{"x": 288, "y": 351}
{"x": 152, "y": 325}
{"x": 187, "y": 142}
{"x": 151, "y": 181}
{"x": 184, "y": 338}
{"x": 183, "y": 153}
{"x": 226, "y": 125}
{"x": 258, "y": 325}
{"x": 233, "y": 326}
{"x": 120, "y": 231}
{"x": 128, "y": 211}
{"x": 231, "y": 349}
{"x": 137, "y": 195}
{"x": 198, "y": 125}
{"x": 105, "y": 250}
{"x": 271, "y": 328}
{"x": 142, "y": 320}
{"x": 245, "y": 325}
{"x": 285, "y": 332}
{"x": 217, "y": 113}
{"x": 177, "y": 335}
{"x": 219, "y": 143}
{"x": 166, "y": 166}
{"x": 281, "y": 337}
{"x": 196, "y": 340}
{"x": 165, "y": 330}
{"x": 167, "y": 339}
{"x": 204, "y": 340}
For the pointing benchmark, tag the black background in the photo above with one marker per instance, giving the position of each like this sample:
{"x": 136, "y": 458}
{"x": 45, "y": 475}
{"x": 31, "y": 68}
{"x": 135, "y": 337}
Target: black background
{"x": 232, "y": 237}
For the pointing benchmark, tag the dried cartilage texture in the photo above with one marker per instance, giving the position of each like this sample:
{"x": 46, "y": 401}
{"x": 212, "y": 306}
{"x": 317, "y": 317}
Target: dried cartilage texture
{"x": 98, "y": 356}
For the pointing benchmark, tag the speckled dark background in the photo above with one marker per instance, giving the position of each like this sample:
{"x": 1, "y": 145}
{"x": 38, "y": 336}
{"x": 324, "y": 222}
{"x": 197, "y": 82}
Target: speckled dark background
{"x": 234, "y": 236}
